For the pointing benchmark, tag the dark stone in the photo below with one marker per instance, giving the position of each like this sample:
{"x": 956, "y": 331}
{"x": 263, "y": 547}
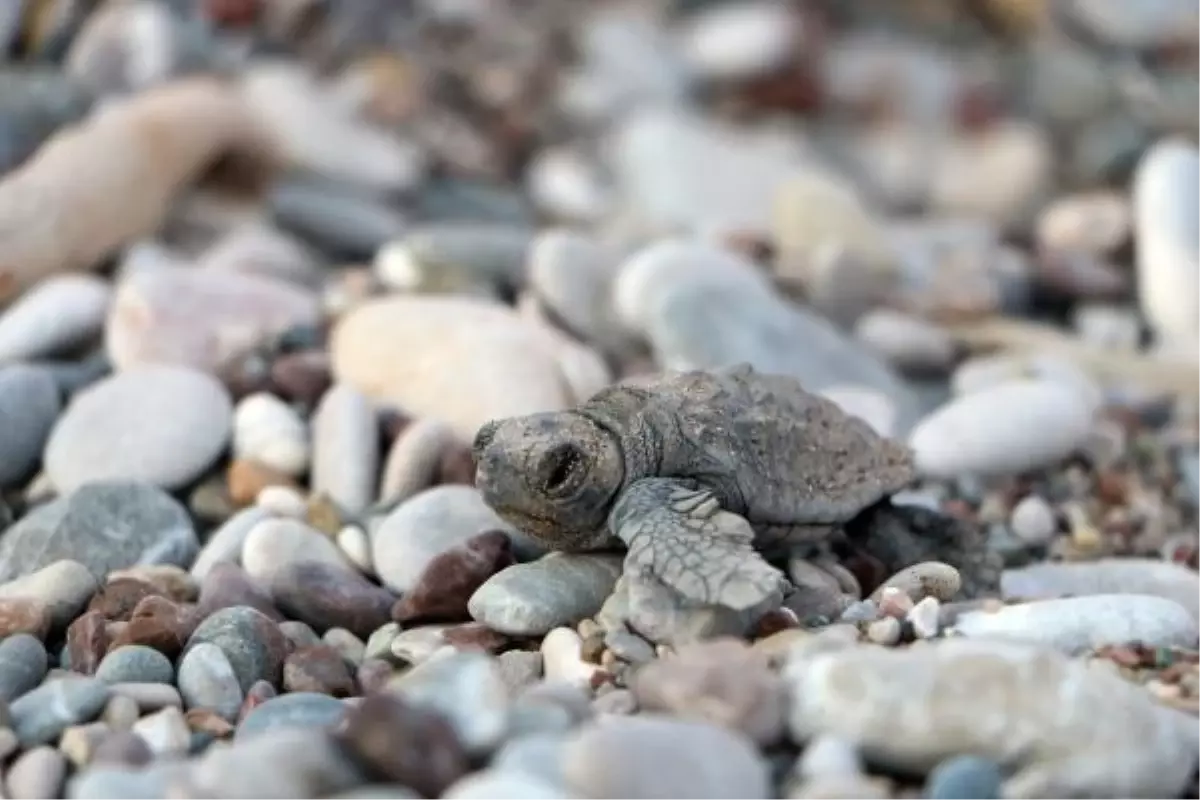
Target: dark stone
{"x": 118, "y": 597}
{"x": 447, "y": 583}
{"x": 319, "y": 669}
{"x": 87, "y": 642}
{"x": 327, "y": 597}
{"x": 228, "y": 585}
{"x": 250, "y": 640}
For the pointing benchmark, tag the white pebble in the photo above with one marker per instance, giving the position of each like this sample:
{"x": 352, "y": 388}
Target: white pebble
{"x": 1008, "y": 429}
{"x": 885, "y": 631}
{"x": 562, "y": 183}
{"x": 166, "y": 732}
{"x": 732, "y": 41}
{"x": 282, "y": 501}
{"x": 1076, "y": 625}
{"x": 562, "y": 659}
{"x": 828, "y": 756}
{"x": 909, "y": 343}
{"x": 924, "y": 618}
{"x": 61, "y": 312}
{"x": 1032, "y": 520}
{"x": 274, "y": 544}
{"x": 345, "y": 458}
{"x": 268, "y": 431}
{"x": 355, "y": 544}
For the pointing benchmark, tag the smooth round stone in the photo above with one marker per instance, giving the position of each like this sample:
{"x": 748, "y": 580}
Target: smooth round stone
{"x": 105, "y": 526}
{"x": 572, "y": 274}
{"x": 1076, "y": 625}
{"x": 268, "y": 431}
{"x": 990, "y": 371}
{"x": 262, "y": 249}
{"x": 273, "y": 544}
{"x": 1167, "y": 213}
{"x": 467, "y": 689}
{"x": 295, "y": 710}
{"x": 493, "y": 784}
{"x": 36, "y": 773}
{"x": 741, "y": 40}
{"x": 64, "y": 586}
{"x": 656, "y": 756}
{"x": 1032, "y": 520}
{"x": 567, "y": 185}
{"x": 965, "y": 778}
{"x": 251, "y": 642}
{"x": 60, "y": 313}
{"x": 909, "y": 343}
{"x": 1106, "y": 576}
{"x": 161, "y": 425}
{"x": 429, "y": 524}
{"x": 557, "y": 589}
{"x": 200, "y": 318}
{"x": 38, "y": 717}
{"x": 1008, "y": 429}
{"x": 135, "y": 664}
{"x": 1094, "y": 222}
{"x": 29, "y": 406}
{"x": 206, "y": 680}
{"x": 225, "y": 544}
{"x": 455, "y": 258}
{"x": 345, "y": 457}
{"x": 122, "y": 783}
{"x": 926, "y": 579}
{"x": 23, "y": 664}
{"x": 461, "y": 360}
{"x": 334, "y": 597}
{"x": 334, "y": 216}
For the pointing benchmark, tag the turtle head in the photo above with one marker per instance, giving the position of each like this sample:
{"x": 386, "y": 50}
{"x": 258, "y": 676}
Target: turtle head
{"x": 554, "y": 476}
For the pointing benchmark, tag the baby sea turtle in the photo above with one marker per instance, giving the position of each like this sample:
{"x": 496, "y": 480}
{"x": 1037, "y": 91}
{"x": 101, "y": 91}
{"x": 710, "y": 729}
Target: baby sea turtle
{"x": 707, "y": 476}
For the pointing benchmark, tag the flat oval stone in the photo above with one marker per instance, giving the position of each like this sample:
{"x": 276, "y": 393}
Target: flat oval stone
{"x": 206, "y": 680}
{"x": 23, "y": 664}
{"x": 105, "y": 525}
{"x": 41, "y": 715}
{"x": 651, "y": 755}
{"x": 557, "y": 589}
{"x": 273, "y": 544}
{"x": 328, "y": 597}
{"x": 345, "y": 458}
{"x": 1078, "y": 624}
{"x": 200, "y": 318}
{"x": 224, "y": 545}
{"x": 268, "y": 431}
{"x": 29, "y": 406}
{"x": 429, "y": 524}
{"x": 444, "y": 588}
{"x": 1105, "y": 576}
{"x": 295, "y": 710}
{"x": 115, "y": 429}
{"x": 135, "y": 664}
{"x": 60, "y": 313}
{"x": 467, "y": 689}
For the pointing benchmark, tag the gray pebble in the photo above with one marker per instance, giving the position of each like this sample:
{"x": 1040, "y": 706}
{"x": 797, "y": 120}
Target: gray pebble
{"x": 493, "y": 784}
{"x": 519, "y": 668}
{"x": 300, "y": 634}
{"x": 538, "y": 754}
{"x": 295, "y": 710}
{"x": 250, "y": 640}
{"x": 206, "y": 680}
{"x": 466, "y": 687}
{"x": 135, "y": 664}
{"x": 23, "y": 664}
{"x": 558, "y": 589}
{"x": 149, "y": 696}
{"x": 116, "y": 783}
{"x": 291, "y": 762}
{"x": 41, "y": 715}
{"x": 965, "y": 778}
{"x": 29, "y": 404}
{"x": 335, "y": 216}
{"x": 105, "y": 526}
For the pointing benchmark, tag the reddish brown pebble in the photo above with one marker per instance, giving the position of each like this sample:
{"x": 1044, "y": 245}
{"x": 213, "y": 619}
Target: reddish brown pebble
{"x": 205, "y": 720}
{"x": 23, "y": 615}
{"x": 775, "y": 621}
{"x": 475, "y": 636}
{"x": 373, "y": 675}
{"x": 228, "y": 585}
{"x": 447, "y": 583}
{"x": 259, "y": 693}
{"x": 301, "y": 377}
{"x": 246, "y": 478}
{"x": 119, "y": 596}
{"x": 318, "y": 669}
{"x": 404, "y": 744}
{"x": 158, "y": 623}
{"x": 87, "y": 642}
{"x": 326, "y": 596}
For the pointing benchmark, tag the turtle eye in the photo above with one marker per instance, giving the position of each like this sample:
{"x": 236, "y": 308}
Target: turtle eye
{"x": 559, "y": 467}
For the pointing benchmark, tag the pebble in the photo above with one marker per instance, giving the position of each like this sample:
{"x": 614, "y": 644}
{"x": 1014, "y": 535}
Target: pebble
{"x": 64, "y": 587}
{"x": 909, "y": 344}
{"x": 415, "y": 458}
{"x": 22, "y": 615}
{"x": 885, "y": 631}
{"x": 1096, "y": 223}
{"x": 104, "y": 525}
{"x": 404, "y": 743}
{"x": 29, "y": 405}
{"x": 1011, "y": 428}
{"x": 39, "y": 716}
{"x": 1033, "y": 521}
{"x": 493, "y": 784}
{"x": 1141, "y": 576}
{"x": 206, "y": 680}
{"x": 562, "y": 658}
{"x": 326, "y": 596}
{"x": 926, "y": 579}
{"x": 319, "y": 669}
{"x": 149, "y": 697}
{"x": 268, "y": 431}
{"x": 335, "y": 216}
{"x": 135, "y": 664}
{"x": 1075, "y": 625}
{"x": 739, "y": 41}
{"x": 442, "y": 591}
{"x": 351, "y": 647}
{"x": 723, "y": 682}
{"x": 298, "y": 709}
{"x": 114, "y": 429}
{"x": 267, "y": 766}
{"x": 455, "y": 258}
{"x": 965, "y": 777}
{"x": 650, "y": 755}
{"x": 57, "y": 315}
{"x": 115, "y": 747}
{"x": 282, "y": 501}
{"x": 200, "y": 319}
{"x": 924, "y": 618}
{"x": 1166, "y": 202}
{"x": 355, "y": 544}
{"x": 228, "y": 585}
{"x": 467, "y": 689}
{"x": 391, "y": 349}
{"x": 572, "y": 275}
{"x": 1029, "y": 709}
{"x": 36, "y": 774}
{"x": 23, "y": 664}
{"x": 251, "y": 641}
{"x": 404, "y": 543}
{"x": 557, "y": 589}
{"x": 166, "y": 731}
{"x": 273, "y": 544}
{"x": 345, "y": 449}
{"x": 567, "y": 185}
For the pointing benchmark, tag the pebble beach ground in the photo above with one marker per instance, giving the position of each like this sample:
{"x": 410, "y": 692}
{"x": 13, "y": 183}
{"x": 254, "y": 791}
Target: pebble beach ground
{"x": 266, "y": 266}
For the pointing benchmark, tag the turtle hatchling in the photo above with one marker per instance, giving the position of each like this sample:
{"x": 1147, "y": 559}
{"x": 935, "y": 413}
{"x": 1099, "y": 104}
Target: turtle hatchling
{"x": 709, "y": 476}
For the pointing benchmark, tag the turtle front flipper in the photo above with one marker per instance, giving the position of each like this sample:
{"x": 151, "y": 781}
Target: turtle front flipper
{"x": 680, "y": 535}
